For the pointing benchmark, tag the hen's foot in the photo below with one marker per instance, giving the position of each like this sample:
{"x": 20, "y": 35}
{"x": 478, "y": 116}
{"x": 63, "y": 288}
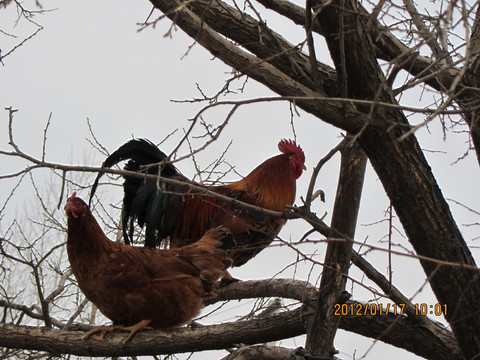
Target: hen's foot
{"x": 140, "y": 326}
{"x": 104, "y": 330}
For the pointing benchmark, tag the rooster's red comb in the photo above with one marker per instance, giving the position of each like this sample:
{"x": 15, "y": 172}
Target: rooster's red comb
{"x": 290, "y": 146}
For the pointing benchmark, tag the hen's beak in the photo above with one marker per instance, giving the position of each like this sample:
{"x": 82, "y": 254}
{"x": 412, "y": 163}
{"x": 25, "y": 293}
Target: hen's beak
{"x": 70, "y": 210}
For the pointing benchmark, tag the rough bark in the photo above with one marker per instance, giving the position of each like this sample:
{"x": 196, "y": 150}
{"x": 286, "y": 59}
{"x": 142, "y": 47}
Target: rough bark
{"x": 266, "y": 44}
{"x": 265, "y": 352}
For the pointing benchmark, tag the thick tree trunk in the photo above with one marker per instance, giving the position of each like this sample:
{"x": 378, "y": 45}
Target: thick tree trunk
{"x": 469, "y": 98}
{"x": 431, "y": 229}
{"x": 405, "y": 174}
{"x": 323, "y": 326}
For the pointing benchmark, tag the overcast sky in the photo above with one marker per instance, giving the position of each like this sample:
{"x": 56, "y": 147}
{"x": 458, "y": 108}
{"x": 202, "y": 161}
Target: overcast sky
{"x": 91, "y": 62}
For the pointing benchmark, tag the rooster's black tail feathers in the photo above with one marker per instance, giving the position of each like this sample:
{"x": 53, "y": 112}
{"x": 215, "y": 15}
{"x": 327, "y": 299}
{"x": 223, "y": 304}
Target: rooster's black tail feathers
{"x": 140, "y": 153}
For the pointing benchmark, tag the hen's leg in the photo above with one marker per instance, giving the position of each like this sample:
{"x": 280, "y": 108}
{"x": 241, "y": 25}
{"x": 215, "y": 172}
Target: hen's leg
{"x": 104, "y": 330}
{"x": 140, "y": 326}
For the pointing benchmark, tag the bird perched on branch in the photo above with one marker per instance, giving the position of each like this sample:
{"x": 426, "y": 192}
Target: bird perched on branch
{"x": 141, "y": 288}
{"x": 181, "y": 213}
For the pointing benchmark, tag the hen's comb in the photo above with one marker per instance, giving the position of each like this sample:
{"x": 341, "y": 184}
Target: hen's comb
{"x": 74, "y": 195}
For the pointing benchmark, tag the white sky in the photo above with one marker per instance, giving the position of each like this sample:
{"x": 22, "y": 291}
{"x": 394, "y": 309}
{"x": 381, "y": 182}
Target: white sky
{"x": 90, "y": 61}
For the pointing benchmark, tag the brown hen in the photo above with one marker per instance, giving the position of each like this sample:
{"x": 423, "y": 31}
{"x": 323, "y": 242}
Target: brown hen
{"x": 141, "y": 288}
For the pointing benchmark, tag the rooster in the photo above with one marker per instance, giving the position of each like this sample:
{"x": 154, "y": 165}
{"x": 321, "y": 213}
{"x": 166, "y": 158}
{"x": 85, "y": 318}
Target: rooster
{"x": 182, "y": 215}
{"x": 139, "y": 288}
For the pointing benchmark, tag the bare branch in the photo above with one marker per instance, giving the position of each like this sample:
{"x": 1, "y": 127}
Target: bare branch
{"x": 429, "y": 38}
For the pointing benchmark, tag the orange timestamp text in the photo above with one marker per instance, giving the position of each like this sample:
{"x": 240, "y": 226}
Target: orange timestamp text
{"x": 384, "y": 309}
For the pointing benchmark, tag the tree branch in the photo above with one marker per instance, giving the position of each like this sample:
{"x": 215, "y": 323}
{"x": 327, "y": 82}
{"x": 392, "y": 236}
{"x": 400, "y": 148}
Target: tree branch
{"x": 257, "y": 69}
{"x": 395, "y": 329}
{"x": 323, "y": 327}
{"x": 431, "y": 72}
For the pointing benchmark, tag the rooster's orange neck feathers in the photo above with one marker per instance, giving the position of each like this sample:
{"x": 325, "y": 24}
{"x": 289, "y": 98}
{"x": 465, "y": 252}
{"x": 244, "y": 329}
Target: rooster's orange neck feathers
{"x": 272, "y": 183}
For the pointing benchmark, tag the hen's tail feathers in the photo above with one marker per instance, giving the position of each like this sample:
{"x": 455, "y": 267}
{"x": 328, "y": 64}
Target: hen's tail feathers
{"x": 140, "y": 153}
{"x": 210, "y": 256}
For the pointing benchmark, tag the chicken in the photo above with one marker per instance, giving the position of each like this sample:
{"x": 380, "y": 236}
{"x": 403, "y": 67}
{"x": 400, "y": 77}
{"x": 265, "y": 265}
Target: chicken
{"x": 182, "y": 215}
{"x": 142, "y": 288}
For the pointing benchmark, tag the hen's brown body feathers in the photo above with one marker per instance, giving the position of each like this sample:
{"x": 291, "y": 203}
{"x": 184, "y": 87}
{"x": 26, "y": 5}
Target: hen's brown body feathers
{"x": 130, "y": 284}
